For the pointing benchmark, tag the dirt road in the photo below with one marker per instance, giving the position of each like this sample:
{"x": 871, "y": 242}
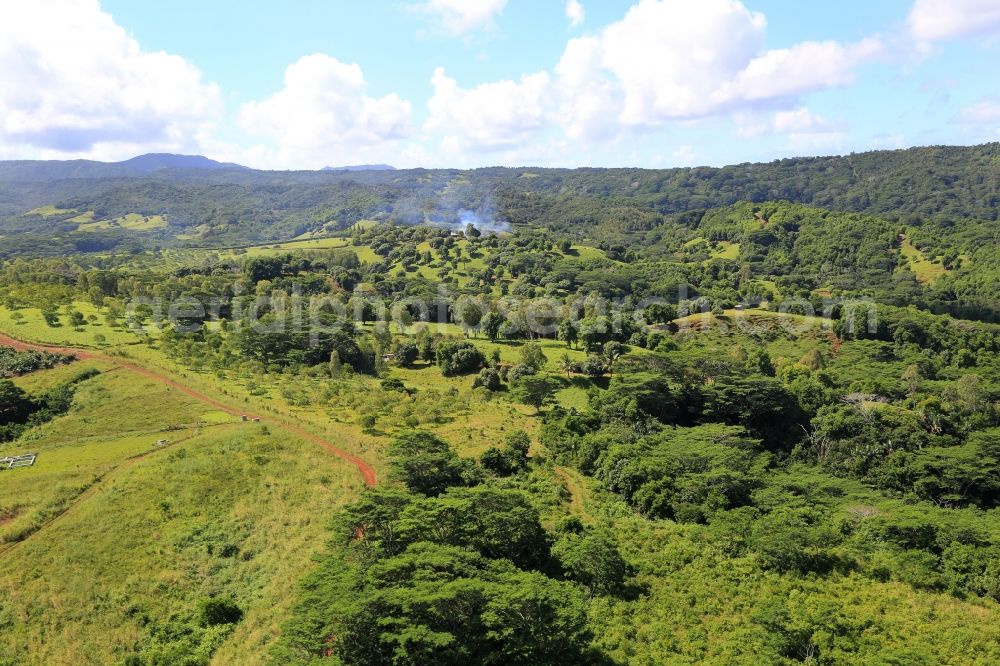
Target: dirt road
{"x": 366, "y": 470}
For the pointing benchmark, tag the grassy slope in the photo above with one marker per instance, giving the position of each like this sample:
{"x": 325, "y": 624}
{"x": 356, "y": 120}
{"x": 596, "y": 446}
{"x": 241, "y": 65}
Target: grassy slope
{"x": 726, "y": 250}
{"x": 70, "y": 586}
{"x": 927, "y": 271}
{"x": 112, "y": 421}
{"x": 297, "y": 245}
{"x": 109, "y": 422}
{"x": 34, "y": 328}
{"x": 130, "y": 222}
{"x": 37, "y": 383}
{"x": 140, "y": 547}
{"x": 49, "y": 210}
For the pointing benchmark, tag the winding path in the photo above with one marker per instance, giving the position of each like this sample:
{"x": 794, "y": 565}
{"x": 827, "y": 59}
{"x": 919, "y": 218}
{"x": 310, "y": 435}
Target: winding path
{"x": 575, "y": 496}
{"x": 366, "y": 470}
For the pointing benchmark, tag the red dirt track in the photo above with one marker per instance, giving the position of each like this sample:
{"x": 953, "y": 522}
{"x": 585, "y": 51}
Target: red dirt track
{"x": 366, "y": 470}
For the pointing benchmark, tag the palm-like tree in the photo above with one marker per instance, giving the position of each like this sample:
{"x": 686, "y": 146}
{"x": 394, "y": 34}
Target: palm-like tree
{"x": 612, "y": 352}
{"x": 566, "y": 364}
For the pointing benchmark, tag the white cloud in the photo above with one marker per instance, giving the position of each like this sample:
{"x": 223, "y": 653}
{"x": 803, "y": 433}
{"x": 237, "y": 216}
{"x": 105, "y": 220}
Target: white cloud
{"x": 323, "y": 116}
{"x": 73, "y": 82}
{"x": 932, "y": 20}
{"x": 575, "y": 12}
{"x": 460, "y": 17}
{"x": 665, "y": 62}
{"x": 669, "y": 61}
{"x": 589, "y": 101}
{"x": 488, "y": 117}
{"x": 797, "y": 123}
{"x": 808, "y": 132}
{"x": 671, "y": 58}
{"x": 800, "y": 121}
{"x": 800, "y": 69}
{"x": 984, "y": 112}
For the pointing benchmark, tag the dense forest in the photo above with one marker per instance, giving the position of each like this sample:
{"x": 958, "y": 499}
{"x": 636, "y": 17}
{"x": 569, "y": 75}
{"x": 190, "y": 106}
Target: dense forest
{"x": 233, "y": 206}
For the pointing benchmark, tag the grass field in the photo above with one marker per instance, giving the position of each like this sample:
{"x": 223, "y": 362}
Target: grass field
{"x": 585, "y": 252}
{"x": 37, "y": 383}
{"x": 925, "y": 270}
{"x": 748, "y": 319}
{"x": 724, "y": 250}
{"x": 366, "y": 254}
{"x": 296, "y": 245}
{"x": 31, "y": 496}
{"x": 718, "y": 251}
{"x": 108, "y": 422}
{"x": 232, "y": 512}
{"x": 104, "y": 506}
{"x": 572, "y": 397}
{"x": 130, "y": 221}
{"x": 49, "y": 210}
{"x": 32, "y": 327}
{"x": 83, "y": 218}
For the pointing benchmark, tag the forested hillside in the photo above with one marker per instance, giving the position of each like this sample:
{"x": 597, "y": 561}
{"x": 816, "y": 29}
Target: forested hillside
{"x": 231, "y": 206}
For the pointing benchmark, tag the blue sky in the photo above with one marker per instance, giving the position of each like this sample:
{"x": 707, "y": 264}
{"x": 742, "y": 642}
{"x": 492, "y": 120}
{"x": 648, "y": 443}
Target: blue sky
{"x": 649, "y": 83}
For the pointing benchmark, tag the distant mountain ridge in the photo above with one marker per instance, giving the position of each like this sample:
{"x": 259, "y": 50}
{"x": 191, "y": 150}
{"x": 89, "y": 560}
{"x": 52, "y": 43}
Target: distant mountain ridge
{"x": 32, "y": 171}
{"x": 360, "y": 167}
{"x": 155, "y": 161}
{"x": 149, "y": 164}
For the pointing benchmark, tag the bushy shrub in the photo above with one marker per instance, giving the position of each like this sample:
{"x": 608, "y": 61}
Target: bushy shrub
{"x": 459, "y": 358}
{"x": 488, "y": 379}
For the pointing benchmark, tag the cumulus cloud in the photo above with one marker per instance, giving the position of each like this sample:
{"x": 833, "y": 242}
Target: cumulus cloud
{"x": 323, "y": 115}
{"x": 488, "y": 117}
{"x": 807, "y": 131}
{"x": 800, "y": 69}
{"x": 75, "y": 83}
{"x": 664, "y": 62}
{"x": 672, "y": 60}
{"x": 460, "y": 17}
{"x": 575, "y": 12}
{"x": 588, "y": 101}
{"x": 933, "y": 20}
